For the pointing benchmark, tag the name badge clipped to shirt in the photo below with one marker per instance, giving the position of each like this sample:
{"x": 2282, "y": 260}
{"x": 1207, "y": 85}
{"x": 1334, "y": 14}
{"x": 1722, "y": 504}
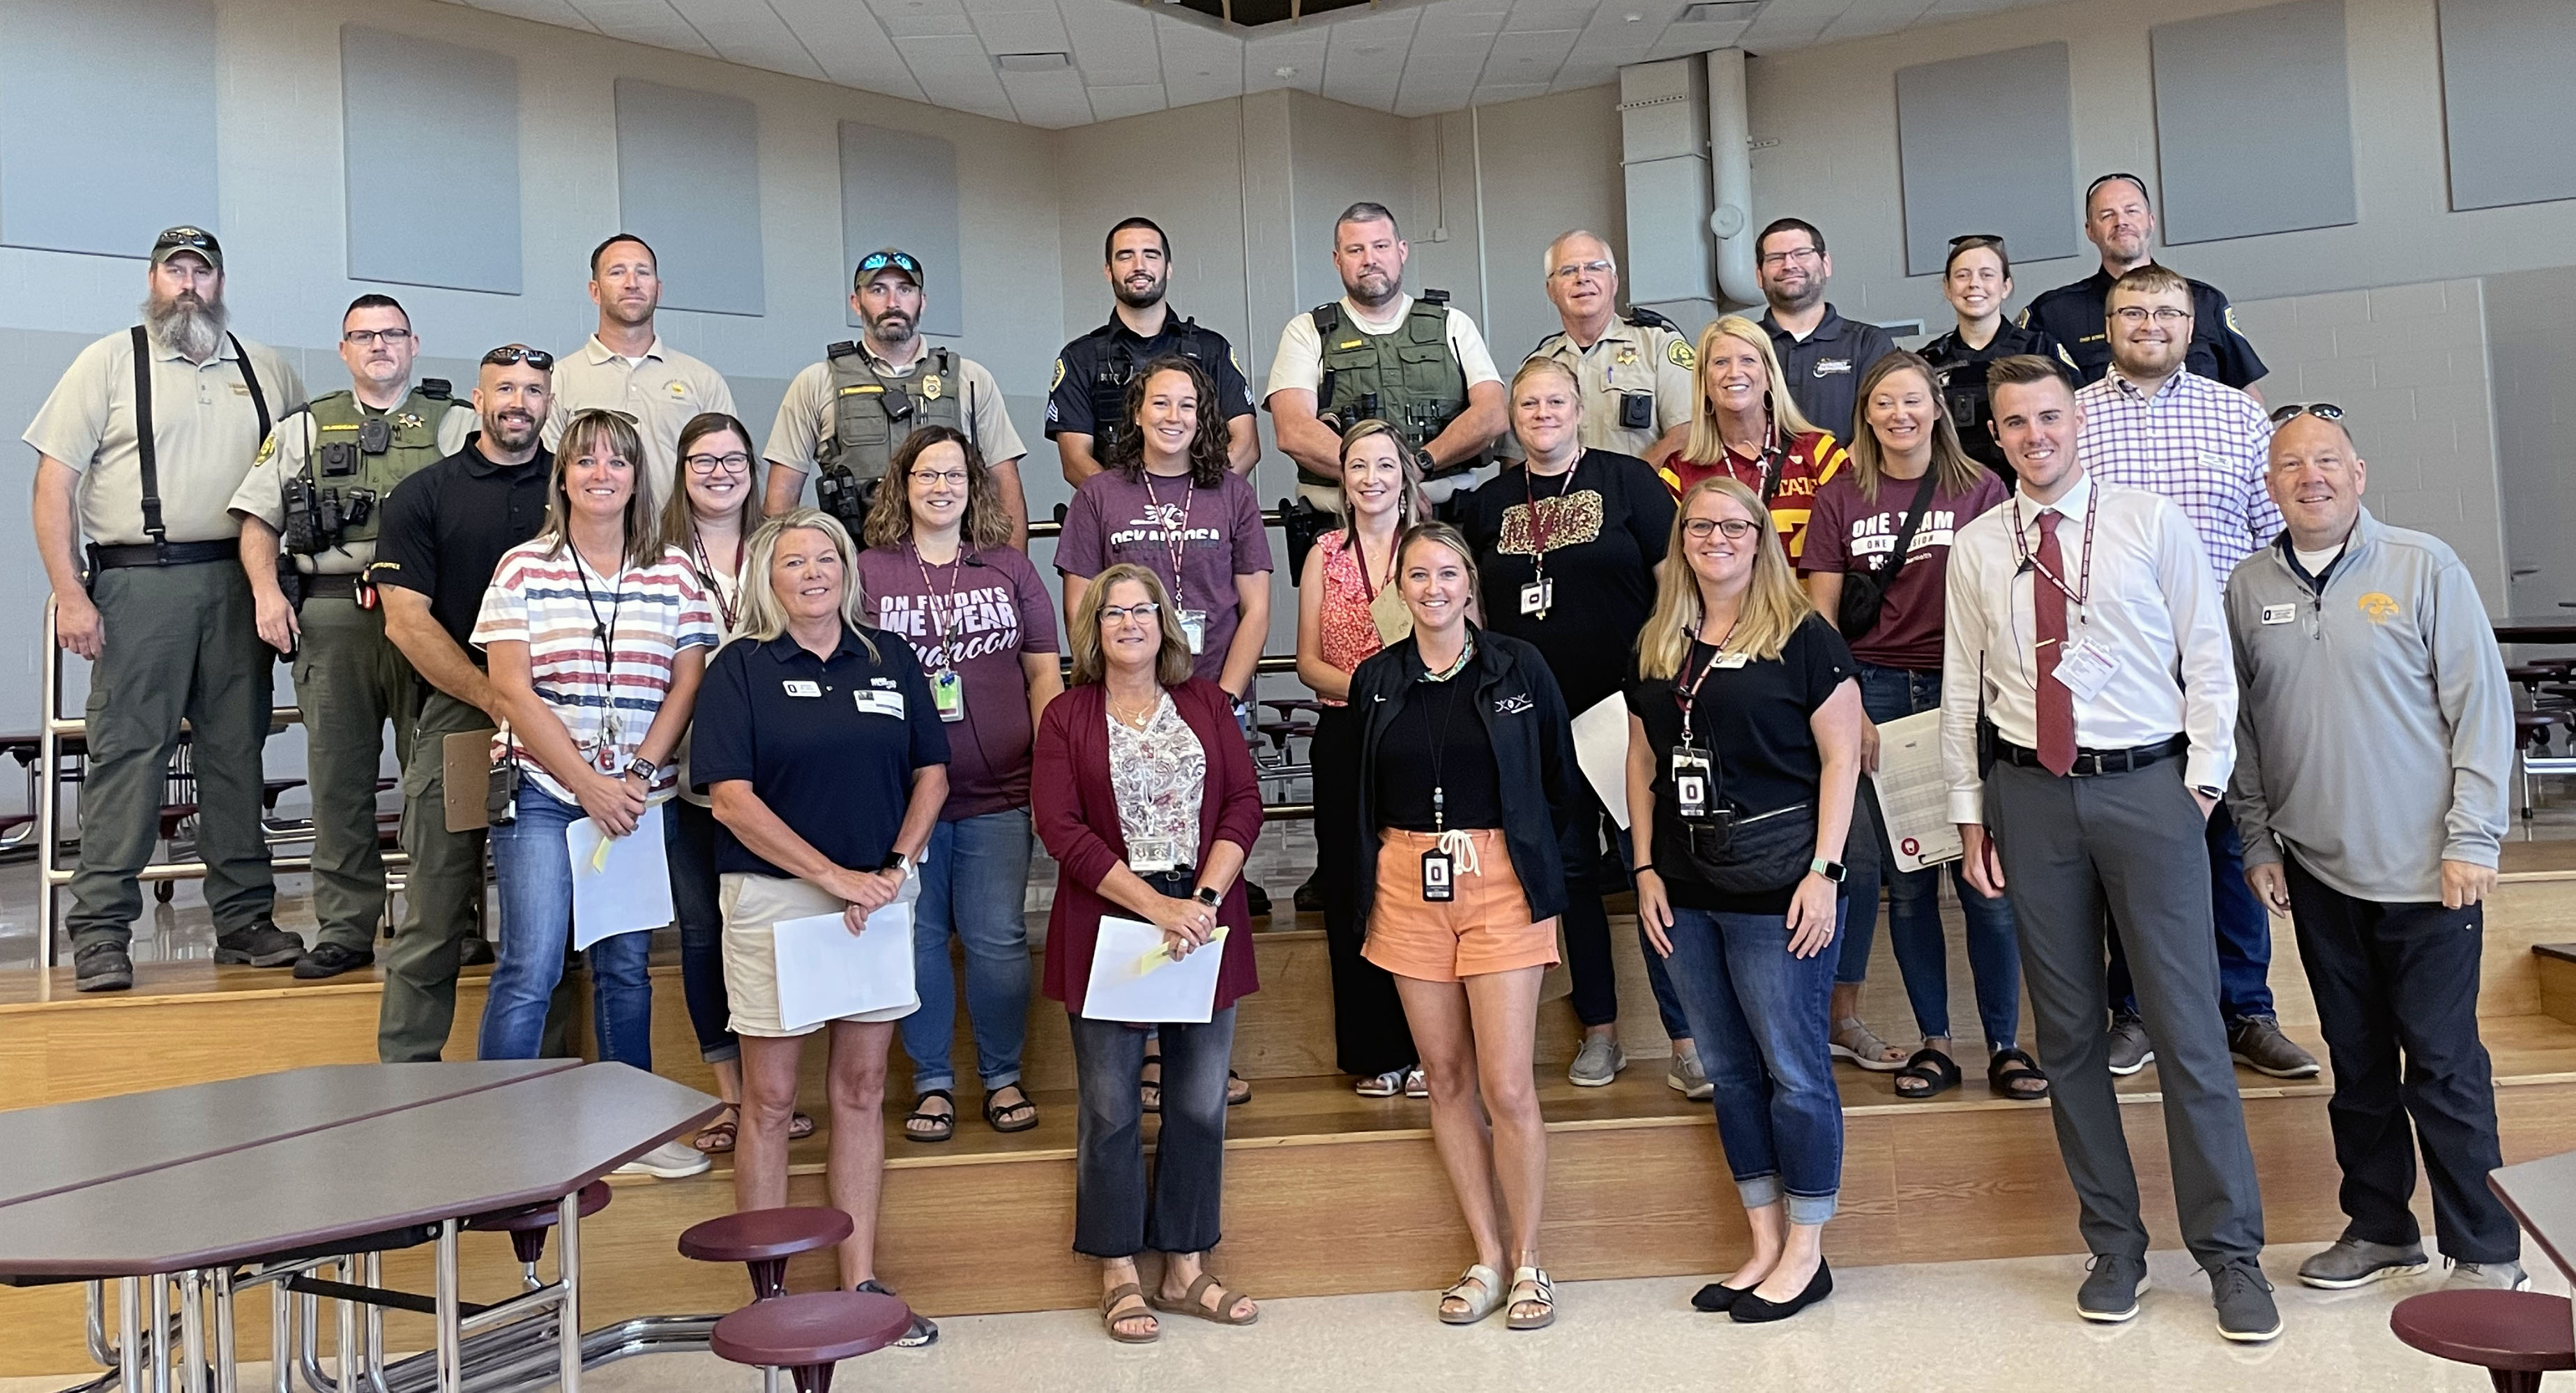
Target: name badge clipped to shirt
{"x": 1538, "y": 597}
{"x": 2085, "y": 668}
{"x": 802, "y": 689}
{"x": 1690, "y": 782}
{"x": 1730, "y": 661}
{"x": 949, "y": 695}
{"x": 878, "y": 701}
{"x": 1153, "y": 855}
{"x": 2280, "y": 614}
{"x": 1439, "y": 877}
{"x": 1194, "y": 629}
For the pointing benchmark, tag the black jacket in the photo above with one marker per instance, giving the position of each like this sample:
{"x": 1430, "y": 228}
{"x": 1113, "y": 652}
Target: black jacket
{"x": 1533, "y": 740}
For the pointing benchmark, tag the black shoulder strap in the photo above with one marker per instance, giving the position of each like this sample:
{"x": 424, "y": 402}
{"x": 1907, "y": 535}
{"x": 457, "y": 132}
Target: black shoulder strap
{"x": 1913, "y": 520}
{"x": 1645, "y": 318}
{"x": 250, "y": 379}
{"x": 151, "y": 465}
{"x": 1327, "y": 317}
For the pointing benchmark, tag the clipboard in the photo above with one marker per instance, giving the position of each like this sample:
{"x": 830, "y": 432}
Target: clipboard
{"x": 465, "y": 771}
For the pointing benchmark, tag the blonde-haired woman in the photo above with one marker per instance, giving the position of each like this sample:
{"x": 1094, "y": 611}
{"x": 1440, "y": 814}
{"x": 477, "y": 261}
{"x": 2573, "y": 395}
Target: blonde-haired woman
{"x": 825, "y": 758}
{"x": 1744, "y": 728}
{"x": 1145, "y": 796}
{"x": 1748, "y": 428}
{"x": 1348, "y": 608}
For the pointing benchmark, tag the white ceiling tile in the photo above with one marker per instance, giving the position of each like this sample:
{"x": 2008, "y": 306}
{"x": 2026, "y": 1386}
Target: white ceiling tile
{"x": 1492, "y": 93}
{"x": 646, "y": 22}
{"x": 1198, "y": 66}
{"x": 1051, "y": 99}
{"x": 1113, "y": 43}
{"x": 556, "y": 12}
{"x": 1023, "y": 32}
{"x": 1110, "y": 103}
{"x": 1876, "y": 17}
{"x": 1301, "y": 49}
{"x": 981, "y": 8}
{"x": 1550, "y": 14}
{"x": 921, "y": 19}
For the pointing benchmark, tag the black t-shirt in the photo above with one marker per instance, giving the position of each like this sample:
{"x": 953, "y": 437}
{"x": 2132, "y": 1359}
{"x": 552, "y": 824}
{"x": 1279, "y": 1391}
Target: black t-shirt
{"x": 1753, "y": 722}
{"x": 830, "y": 745}
{"x": 1605, "y": 525}
{"x": 446, "y": 527}
{"x": 1441, "y": 716}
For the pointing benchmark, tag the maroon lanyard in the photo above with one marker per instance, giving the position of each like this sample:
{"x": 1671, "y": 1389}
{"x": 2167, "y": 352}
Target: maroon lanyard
{"x": 1177, "y": 539}
{"x": 1538, "y": 533}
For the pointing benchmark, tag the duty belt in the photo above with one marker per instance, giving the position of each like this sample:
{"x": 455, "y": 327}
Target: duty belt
{"x": 103, "y": 558}
{"x": 339, "y": 587}
{"x": 2091, "y": 762}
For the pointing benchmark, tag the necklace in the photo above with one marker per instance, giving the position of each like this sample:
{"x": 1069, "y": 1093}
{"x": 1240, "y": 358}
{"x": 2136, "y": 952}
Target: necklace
{"x": 1138, "y": 720}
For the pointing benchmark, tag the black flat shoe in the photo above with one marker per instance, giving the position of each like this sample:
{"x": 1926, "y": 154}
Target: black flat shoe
{"x": 1750, "y": 1309}
{"x": 1717, "y": 1296}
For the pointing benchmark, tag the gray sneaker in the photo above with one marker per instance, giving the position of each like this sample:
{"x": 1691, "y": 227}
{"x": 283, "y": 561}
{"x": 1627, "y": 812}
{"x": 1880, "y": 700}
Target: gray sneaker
{"x": 1598, "y": 1062}
{"x": 2356, "y": 1262}
{"x": 921, "y": 1333}
{"x": 259, "y": 944}
{"x": 2487, "y": 1276}
{"x": 2257, "y": 1043}
{"x": 1687, "y": 1078}
{"x": 2110, "y": 1290}
{"x": 2130, "y": 1051}
{"x": 2246, "y": 1313}
{"x": 672, "y": 1160}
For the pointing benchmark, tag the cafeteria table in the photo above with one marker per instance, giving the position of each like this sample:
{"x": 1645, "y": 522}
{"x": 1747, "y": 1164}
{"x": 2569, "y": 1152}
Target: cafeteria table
{"x": 312, "y": 1166}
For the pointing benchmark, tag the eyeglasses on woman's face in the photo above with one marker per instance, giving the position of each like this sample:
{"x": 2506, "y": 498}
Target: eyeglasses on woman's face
{"x": 1143, "y": 612}
{"x": 702, "y": 465}
{"x": 1735, "y": 529}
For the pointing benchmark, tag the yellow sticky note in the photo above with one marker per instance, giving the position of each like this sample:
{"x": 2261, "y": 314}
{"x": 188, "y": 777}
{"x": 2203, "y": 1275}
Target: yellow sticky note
{"x": 599, "y": 858}
{"x": 1161, "y": 954}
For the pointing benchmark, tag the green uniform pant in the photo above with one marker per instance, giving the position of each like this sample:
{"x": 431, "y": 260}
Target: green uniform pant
{"x": 441, "y": 894}
{"x": 180, "y": 641}
{"x": 349, "y": 680}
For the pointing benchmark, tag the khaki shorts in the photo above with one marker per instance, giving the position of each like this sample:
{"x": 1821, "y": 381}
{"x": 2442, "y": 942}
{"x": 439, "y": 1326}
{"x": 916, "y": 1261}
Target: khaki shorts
{"x": 1485, "y": 929}
{"x": 752, "y": 903}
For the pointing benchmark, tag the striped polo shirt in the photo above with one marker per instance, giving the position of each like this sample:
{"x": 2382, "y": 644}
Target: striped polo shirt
{"x": 542, "y": 595}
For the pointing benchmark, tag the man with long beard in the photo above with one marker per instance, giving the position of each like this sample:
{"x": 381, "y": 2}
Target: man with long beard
{"x": 139, "y": 449}
{"x": 1088, "y": 398}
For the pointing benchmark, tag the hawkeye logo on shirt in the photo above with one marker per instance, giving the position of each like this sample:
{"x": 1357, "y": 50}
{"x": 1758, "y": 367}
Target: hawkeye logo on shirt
{"x": 2378, "y": 606}
{"x": 1158, "y": 524}
{"x": 1517, "y": 704}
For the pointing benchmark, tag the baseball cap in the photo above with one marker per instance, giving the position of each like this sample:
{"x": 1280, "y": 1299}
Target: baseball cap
{"x": 890, "y": 258}
{"x": 184, "y": 238}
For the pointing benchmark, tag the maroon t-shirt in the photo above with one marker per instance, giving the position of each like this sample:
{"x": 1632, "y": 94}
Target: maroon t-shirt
{"x": 1849, "y": 533}
{"x": 1217, "y": 535}
{"x": 977, "y": 615}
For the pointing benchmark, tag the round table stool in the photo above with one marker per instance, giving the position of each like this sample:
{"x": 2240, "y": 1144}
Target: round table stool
{"x": 763, "y": 1240}
{"x": 528, "y": 1223}
{"x": 808, "y": 1334}
{"x": 2515, "y": 1336}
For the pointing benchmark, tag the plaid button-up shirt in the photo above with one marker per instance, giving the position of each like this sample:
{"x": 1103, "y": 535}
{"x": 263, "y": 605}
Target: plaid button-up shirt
{"x": 2198, "y": 442}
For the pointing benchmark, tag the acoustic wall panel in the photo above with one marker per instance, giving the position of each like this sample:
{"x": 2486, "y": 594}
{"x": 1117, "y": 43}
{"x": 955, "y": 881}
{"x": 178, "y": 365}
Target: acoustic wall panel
{"x": 430, "y": 136}
{"x": 688, "y": 182}
{"x": 2505, "y": 66}
{"x": 2254, "y": 122}
{"x": 1986, "y": 144}
{"x": 899, "y": 189}
{"x": 88, "y": 92}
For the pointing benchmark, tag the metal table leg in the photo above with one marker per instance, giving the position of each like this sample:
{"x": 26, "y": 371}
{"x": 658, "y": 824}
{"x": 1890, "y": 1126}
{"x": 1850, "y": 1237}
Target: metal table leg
{"x": 129, "y": 1336}
{"x": 227, "y": 1371}
{"x": 451, "y": 1357}
{"x": 160, "y": 1332}
{"x": 281, "y": 1336}
{"x": 192, "y": 1330}
{"x": 568, "y": 1272}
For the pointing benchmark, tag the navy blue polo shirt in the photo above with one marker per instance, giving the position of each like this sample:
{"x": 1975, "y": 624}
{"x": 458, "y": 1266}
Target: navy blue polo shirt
{"x": 830, "y": 744}
{"x": 1825, "y": 367}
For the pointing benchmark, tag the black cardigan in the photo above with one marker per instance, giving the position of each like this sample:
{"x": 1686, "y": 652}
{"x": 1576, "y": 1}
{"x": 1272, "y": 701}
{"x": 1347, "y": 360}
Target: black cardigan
{"x": 1533, "y": 739}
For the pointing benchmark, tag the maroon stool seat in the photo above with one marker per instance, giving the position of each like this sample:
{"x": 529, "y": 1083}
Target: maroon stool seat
{"x": 810, "y": 1333}
{"x": 763, "y": 1240}
{"x": 2515, "y": 1336}
{"x": 527, "y": 1224}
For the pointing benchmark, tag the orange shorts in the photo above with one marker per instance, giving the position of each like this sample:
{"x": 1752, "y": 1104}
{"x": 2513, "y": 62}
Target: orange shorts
{"x": 1485, "y": 929}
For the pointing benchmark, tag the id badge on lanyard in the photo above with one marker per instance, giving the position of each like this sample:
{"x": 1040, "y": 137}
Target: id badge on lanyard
{"x": 1439, "y": 877}
{"x": 1194, "y": 630}
{"x": 1690, "y": 782}
{"x": 949, "y": 695}
{"x": 1538, "y": 597}
{"x": 1154, "y": 855}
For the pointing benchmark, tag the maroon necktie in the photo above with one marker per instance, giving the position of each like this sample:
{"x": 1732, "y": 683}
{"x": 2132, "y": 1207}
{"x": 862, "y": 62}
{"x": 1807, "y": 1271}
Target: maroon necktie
{"x": 2056, "y": 702}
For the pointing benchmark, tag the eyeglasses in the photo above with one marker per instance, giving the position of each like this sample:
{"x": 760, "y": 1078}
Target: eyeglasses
{"x": 1573, "y": 269}
{"x": 2135, "y": 315}
{"x": 509, "y": 353}
{"x": 1795, "y": 256}
{"x": 369, "y": 338}
{"x": 2322, "y": 410}
{"x": 954, "y": 478}
{"x": 1736, "y": 529}
{"x": 734, "y": 463}
{"x": 874, "y": 262}
{"x": 1120, "y": 614}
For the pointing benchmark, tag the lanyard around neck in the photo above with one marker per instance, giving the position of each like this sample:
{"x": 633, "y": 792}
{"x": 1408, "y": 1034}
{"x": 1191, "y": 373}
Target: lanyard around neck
{"x": 1176, "y": 538}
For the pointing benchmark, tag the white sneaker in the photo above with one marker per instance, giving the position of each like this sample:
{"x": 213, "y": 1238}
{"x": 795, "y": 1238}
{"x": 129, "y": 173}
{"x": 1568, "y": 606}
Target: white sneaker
{"x": 672, "y": 1160}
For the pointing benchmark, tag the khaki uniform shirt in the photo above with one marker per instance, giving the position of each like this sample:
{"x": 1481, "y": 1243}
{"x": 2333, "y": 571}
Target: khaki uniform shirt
{"x": 205, "y": 435}
{"x": 1628, "y": 358}
{"x": 805, "y": 417}
{"x": 262, "y": 494}
{"x": 661, "y": 391}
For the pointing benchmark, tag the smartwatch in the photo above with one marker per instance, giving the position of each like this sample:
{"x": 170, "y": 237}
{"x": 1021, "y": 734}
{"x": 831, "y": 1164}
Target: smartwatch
{"x": 641, "y": 768}
{"x": 1206, "y": 895}
{"x": 1830, "y": 870}
{"x": 896, "y": 862}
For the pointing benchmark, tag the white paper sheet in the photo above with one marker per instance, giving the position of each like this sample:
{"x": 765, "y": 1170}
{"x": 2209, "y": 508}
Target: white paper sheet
{"x": 620, "y": 885}
{"x": 1601, "y": 747}
{"x": 826, "y": 972}
{"x": 1132, "y": 980}
{"x": 1913, "y": 797}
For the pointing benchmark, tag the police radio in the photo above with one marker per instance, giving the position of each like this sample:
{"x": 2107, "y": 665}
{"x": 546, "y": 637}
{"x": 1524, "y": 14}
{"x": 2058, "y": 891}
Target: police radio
{"x": 304, "y": 530}
{"x": 844, "y": 495}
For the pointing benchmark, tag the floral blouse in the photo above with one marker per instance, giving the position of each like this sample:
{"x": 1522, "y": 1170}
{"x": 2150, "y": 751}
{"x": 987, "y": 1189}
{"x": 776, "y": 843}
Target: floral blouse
{"x": 1158, "y": 774}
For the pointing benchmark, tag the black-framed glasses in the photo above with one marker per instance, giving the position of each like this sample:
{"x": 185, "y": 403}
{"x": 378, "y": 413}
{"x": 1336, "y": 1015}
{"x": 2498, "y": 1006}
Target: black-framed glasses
{"x": 874, "y": 262}
{"x": 702, "y": 465}
{"x": 1120, "y": 614}
{"x": 1801, "y": 256}
{"x": 2134, "y": 315}
{"x": 510, "y": 353}
{"x": 369, "y": 338}
{"x": 2322, "y": 410}
{"x": 1736, "y": 529}
{"x": 953, "y": 478}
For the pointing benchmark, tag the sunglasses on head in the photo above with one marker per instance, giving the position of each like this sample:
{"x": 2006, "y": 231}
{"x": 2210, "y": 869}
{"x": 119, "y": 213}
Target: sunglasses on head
{"x": 2322, "y": 410}
{"x": 878, "y": 261}
{"x": 2096, "y": 185}
{"x": 509, "y": 353}
{"x": 1981, "y": 239}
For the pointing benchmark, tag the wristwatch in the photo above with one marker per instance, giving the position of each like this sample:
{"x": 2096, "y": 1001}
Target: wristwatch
{"x": 1830, "y": 870}
{"x": 1206, "y": 895}
{"x": 896, "y": 862}
{"x": 641, "y": 768}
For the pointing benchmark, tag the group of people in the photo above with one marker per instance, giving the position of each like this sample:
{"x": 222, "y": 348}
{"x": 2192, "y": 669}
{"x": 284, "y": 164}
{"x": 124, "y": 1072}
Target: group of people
{"x": 1761, "y": 543}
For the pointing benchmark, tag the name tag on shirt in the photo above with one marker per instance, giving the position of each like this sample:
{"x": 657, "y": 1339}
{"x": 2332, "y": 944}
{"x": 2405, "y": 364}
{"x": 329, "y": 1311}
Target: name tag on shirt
{"x": 1153, "y": 855}
{"x": 2280, "y": 614}
{"x": 877, "y": 702}
{"x": 1729, "y": 660}
{"x": 1538, "y": 597}
{"x": 949, "y": 695}
{"x": 802, "y": 689}
{"x": 1194, "y": 630}
{"x": 2085, "y": 668}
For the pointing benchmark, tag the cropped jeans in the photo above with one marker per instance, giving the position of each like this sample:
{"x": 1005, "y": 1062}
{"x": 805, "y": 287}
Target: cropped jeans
{"x": 1758, "y": 1014}
{"x": 534, "y": 871}
{"x": 1117, "y": 1212}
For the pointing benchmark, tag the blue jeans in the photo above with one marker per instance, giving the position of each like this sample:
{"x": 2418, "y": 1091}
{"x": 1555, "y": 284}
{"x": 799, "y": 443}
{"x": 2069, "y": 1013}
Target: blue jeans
{"x": 1118, "y": 1210}
{"x": 690, "y": 838}
{"x": 975, "y": 882}
{"x": 535, "y": 873}
{"x": 1758, "y": 1014}
{"x": 1914, "y": 897}
{"x": 2244, "y": 933}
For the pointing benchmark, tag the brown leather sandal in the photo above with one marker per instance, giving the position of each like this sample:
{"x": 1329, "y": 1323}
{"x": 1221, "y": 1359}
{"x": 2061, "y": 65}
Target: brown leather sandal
{"x": 1118, "y": 1296}
{"x": 1189, "y": 1303}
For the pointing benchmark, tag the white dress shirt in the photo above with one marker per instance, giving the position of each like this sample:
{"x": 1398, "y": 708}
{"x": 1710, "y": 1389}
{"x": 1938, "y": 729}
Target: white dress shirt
{"x": 2152, "y": 607}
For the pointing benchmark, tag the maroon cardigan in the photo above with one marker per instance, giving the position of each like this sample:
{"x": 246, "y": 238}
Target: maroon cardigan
{"x": 1077, "y": 819}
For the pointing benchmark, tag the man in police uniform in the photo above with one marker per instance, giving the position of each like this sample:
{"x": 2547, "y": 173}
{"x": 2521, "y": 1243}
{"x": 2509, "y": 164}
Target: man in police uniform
{"x": 2121, "y": 223}
{"x": 444, "y": 530}
{"x": 626, "y": 367}
{"x": 1342, "y": 362}
{"x": 139, "y": 448}
{"x": 1086, "y": 402}
{"x": 321, "y": 483}
{"x": 1821, "y": 353}
{"x": 845, "y": 416}
{"x": 1638, "y": 374}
